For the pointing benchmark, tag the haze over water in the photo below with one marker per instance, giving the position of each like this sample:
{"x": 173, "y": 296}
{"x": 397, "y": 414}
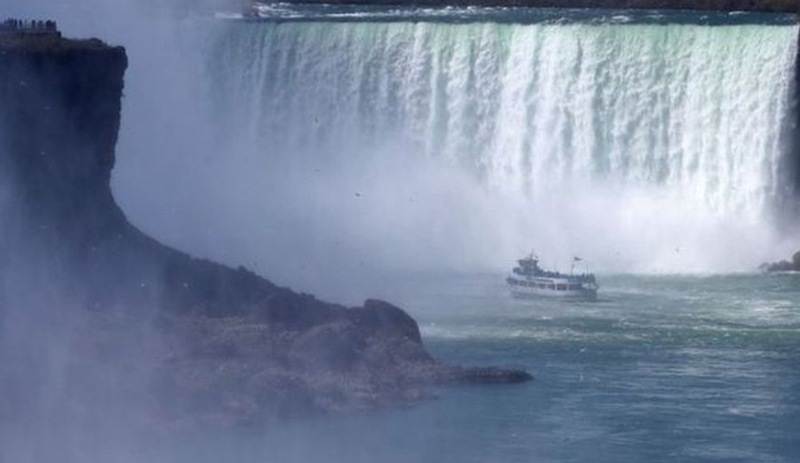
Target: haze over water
{"x": 414, "y": 160}
{"x": 661, "y": 369}
{"x": 381, "y": 154}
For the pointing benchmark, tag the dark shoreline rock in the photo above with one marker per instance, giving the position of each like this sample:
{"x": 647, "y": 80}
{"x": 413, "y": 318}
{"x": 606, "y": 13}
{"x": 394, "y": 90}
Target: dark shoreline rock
{"x": 782, "y": 265}
{"x": 223, "y": 346}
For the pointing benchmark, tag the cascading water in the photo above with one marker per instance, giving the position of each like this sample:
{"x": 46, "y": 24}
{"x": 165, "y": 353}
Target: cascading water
{"x": 694, "y": 109}
{"x": 640, "y": 147}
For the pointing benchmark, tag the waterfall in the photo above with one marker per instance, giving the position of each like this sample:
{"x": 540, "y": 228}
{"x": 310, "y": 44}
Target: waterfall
{"x": 641, "y": 147}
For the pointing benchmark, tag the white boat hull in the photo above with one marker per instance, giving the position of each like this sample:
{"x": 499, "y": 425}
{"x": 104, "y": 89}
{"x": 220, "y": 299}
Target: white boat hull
{"x": 562, "y": 289}
{"x": 532, "y": 293}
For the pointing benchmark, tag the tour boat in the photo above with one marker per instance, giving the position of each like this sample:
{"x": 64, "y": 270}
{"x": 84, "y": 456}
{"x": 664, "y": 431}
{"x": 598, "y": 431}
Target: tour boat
{"x": 528, "y": 280}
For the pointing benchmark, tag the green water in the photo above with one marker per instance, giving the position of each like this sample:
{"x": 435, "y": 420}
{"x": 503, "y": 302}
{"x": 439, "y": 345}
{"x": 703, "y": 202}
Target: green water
{"x": 662, "y": 368}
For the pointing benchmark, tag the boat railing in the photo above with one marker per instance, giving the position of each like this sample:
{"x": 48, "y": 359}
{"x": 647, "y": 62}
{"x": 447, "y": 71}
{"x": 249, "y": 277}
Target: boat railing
{"x": 583, "y": 277}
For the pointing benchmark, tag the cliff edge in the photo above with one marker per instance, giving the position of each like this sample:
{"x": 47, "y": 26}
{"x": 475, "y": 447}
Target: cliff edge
{"x": 224, "y": 346}
{"x": 769, "y": 6}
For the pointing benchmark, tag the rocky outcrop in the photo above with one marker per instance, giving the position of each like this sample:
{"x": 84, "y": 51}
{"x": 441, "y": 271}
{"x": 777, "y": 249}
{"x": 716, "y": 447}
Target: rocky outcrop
{"x": 782, "y": 265}
{"x": 224, "y": 346}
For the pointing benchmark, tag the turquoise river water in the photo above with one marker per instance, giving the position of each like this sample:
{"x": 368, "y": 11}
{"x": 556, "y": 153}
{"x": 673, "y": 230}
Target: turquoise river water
{"x": 661, "y": 368}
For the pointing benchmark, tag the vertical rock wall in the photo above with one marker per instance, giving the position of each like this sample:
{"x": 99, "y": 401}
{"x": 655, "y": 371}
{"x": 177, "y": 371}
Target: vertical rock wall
{"x": 60, "y": 113}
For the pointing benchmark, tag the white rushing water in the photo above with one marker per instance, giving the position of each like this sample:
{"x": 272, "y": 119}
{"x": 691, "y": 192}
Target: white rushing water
{"x": 691, "y": 108}
{"x": 654, "y": 148}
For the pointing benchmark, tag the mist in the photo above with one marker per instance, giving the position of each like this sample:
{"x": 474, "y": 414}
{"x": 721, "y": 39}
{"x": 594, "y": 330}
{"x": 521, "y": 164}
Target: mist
{"x": 331, "y": 165}
{"x": 76, "y": 373}
{"x": 75, "y": 377}
{"x": 223, "y": 155}
{"x": 315, "y": 202}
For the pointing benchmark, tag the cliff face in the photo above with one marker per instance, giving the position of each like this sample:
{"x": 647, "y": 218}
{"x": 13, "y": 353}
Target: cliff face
{"x": 60, "y": 118}
{"x": 224, "y": 346}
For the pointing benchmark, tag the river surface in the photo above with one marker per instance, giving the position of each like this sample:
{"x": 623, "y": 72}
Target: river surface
{"x": 661, "y": 368}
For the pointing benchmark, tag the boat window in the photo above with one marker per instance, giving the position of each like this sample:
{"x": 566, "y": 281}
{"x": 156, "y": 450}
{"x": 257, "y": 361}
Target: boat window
{"x": 561, "y": 287}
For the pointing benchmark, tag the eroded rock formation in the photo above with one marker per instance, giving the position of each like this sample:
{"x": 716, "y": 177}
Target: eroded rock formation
{"x": 204, "y": 343}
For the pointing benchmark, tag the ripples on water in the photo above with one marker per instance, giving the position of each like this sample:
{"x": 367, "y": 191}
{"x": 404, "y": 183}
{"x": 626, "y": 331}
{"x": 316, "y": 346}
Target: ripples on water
{"x": 660, "y": 369}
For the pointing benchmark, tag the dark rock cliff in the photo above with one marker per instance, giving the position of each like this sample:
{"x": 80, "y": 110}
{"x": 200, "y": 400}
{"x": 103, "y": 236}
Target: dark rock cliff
{"x": 224, "y": 345}
{"x": 59, "y": 120}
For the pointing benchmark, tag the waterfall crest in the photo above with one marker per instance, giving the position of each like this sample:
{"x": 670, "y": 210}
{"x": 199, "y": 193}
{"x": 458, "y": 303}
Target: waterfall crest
{"x": 643, "y": 147}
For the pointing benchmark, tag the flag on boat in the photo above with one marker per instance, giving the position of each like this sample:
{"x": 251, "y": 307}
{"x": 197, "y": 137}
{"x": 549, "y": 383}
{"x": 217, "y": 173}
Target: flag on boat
{"x": 576, "y": 259}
